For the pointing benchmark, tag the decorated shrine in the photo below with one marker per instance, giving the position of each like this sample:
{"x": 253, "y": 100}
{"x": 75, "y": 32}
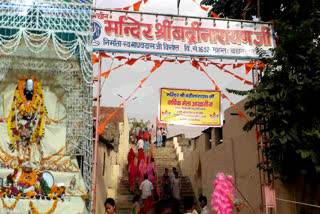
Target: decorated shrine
{"x": 45, "y": 106}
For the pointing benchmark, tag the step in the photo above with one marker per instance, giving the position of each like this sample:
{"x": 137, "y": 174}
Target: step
{"x": 124, "y": 210}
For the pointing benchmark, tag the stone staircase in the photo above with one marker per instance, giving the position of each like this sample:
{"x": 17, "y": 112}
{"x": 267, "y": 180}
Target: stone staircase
{"x": 165, "y": 158}
{"x": 124, "y": 197}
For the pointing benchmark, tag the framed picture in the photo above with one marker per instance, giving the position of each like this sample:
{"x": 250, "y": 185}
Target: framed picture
{"x": 1, "y": 182}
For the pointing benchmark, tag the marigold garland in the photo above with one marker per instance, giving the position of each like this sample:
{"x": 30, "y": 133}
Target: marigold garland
{"x": 31, "y": 194}
{"x": 22, "y": 179}
{"x": 35, "y": 211}
{"x": 13, "y": 205}
{"x": 57, "y": 190}
{"x": 25, "y": 109}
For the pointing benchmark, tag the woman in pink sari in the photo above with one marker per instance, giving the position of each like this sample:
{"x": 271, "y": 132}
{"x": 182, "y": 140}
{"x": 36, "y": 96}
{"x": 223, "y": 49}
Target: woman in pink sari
{"x": 142, "y": 168}
{"x": 149, "y": 170}
{"x": 133, "y": 173}
{"x": 131, "y": 157}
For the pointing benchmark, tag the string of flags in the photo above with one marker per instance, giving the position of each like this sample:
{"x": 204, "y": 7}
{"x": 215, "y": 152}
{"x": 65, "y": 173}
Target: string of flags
{"x": 131, "y": 61}
{"x": 136, "y": 7}
{"x": 199, "y": 65}
{"x": 206, "y": 9}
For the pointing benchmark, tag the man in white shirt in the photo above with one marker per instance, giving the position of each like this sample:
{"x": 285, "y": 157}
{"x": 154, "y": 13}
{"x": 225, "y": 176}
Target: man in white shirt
{"x": 140, "y": 144}
{"x": 172, "y": 175}
{"x": 203, "y": 204}
{"x": 146, "y": 188}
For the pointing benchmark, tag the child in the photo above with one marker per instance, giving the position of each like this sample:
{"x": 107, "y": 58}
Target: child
{"x": 135, "y": 205}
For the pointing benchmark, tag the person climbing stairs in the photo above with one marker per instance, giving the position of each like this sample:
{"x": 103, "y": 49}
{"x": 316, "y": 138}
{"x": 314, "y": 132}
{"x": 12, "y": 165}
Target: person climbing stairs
{"x": 165, "y": 157}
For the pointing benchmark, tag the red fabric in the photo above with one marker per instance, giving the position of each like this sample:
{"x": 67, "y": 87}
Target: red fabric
{"x": 142, "y": 168}
{"x": 147, "y": 205}
{"x": 140, "y": 135}
{"x": 140, "y": 156}
{"x": 214, "y": 15}
{"x": 146, "y": 136}
{"x": 136, "y": 6}
{"x": 249, "y": 67}
{"x": 133, "y": 173}
{"x": 162, "y": 178}
{"x": 95, "y": 59}
{"x": 149, "y": 170}
{"x": 131, "y": 157}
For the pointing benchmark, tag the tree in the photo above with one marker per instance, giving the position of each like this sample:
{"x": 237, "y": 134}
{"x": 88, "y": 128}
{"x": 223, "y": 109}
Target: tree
{"x": 135, "y": 123}
{"x": 287, "y": 94}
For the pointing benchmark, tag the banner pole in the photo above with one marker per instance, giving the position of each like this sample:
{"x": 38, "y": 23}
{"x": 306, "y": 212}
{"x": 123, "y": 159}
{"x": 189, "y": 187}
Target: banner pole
{"x": 178, "y": 6}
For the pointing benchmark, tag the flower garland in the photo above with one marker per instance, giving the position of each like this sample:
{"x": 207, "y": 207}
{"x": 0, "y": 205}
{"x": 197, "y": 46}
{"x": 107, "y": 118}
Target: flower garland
{"x": 25, "y": 109}
{"x": 57, "y": 190}
{"x": 31, "y": 194}
{"x": 32, "y": 180}
{"x": 35, "y": 211}
{"x": 13, "y": 205}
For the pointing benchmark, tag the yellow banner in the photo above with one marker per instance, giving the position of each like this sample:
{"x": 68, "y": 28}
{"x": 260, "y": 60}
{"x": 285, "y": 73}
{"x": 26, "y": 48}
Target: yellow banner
{"x": 190, "y": 107}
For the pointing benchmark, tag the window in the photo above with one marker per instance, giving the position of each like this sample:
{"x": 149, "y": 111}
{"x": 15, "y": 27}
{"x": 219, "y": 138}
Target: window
{"x": 218, "y": 136}
{"x": 208, "y": 138}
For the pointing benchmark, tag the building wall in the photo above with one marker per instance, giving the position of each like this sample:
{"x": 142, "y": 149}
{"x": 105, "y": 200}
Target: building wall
{"x": 112, "y": 163}
{"x": 237, "y": 156}
{"x": 105, "y": 185}
{"x": 231, "y": 157}
{"x": 124, "y": 141}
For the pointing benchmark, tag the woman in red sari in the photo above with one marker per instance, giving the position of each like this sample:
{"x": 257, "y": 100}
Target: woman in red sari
{"x": 140, "y": 156}
{"x": 133, "y": 173}
{"x": 147, "y": 206}
{"x": 131, "y": 157}
{"x": 146, "y": 135}
{"x": 140, "y": 135}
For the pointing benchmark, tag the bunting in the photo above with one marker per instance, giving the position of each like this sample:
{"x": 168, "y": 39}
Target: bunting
{"x": 206, "y": 9}
{"x": 224, "y": 96}
{"x": 136, "y": 6}
{"x": 236, "y": 76}
{"x": 129, "y": 62}
{"x": 157, "y": 64}
{"x": 248, "y": 66}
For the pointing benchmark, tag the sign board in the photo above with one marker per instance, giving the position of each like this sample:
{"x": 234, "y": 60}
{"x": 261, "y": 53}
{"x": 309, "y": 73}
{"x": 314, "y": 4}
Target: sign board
{"x": 129, "y": 32}
{"x": 190, "y": 107}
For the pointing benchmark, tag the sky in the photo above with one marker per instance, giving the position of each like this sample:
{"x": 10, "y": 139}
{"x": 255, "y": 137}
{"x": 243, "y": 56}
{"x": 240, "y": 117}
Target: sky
{"x": 144, "y": 103}
{"x": 187, "y": 7}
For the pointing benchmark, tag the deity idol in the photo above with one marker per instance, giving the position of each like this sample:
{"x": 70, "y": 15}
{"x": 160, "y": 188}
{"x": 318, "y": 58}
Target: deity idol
{"x": 27, "y": 117}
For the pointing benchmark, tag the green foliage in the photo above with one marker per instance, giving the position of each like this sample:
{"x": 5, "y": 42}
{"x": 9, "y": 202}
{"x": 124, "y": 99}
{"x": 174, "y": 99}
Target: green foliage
{"x": 286, "y": 98}
{"x": 44, "y": 186}
{"x": 138, "y": 123}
